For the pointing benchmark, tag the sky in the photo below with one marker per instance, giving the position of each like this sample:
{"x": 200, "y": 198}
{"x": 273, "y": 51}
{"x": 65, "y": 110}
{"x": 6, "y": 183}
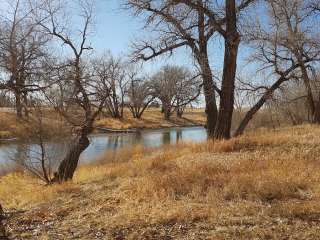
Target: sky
{"x": 116, "y": 28}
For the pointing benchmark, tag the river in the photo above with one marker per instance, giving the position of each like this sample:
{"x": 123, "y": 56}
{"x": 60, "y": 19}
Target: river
{"x": 101, "y": 144}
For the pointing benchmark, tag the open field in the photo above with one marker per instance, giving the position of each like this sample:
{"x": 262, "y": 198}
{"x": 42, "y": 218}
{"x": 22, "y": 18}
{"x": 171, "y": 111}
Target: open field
{"x": 263, "y": 185}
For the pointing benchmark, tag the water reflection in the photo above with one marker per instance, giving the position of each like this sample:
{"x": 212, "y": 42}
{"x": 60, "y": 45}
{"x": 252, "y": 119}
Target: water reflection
{"x": 101, "y": 143}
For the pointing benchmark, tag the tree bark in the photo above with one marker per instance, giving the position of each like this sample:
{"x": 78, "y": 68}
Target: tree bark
{"x": 232, "y": 40}
{"x": 167, "y": 112}
{"x": 69, "y": 164}
{"x": 312, "y": 104}
{"x": 208, "y": 85}
{"x": 249, "y": 115}
{"x": 25, "y": 105}
{"x": 209, "y": 94}
{"x": 17, "y": 96}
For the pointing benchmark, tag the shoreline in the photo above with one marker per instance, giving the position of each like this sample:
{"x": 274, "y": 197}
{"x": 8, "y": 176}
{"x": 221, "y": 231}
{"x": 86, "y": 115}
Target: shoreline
{"x": 138, "y": 129}
{"x": 106, "y": 130}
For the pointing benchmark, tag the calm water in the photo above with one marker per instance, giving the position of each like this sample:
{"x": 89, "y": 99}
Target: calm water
{"x": 101, "y": 144}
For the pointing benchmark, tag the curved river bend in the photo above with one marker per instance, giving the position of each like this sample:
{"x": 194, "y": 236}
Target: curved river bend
{"x": 102, "y": 143}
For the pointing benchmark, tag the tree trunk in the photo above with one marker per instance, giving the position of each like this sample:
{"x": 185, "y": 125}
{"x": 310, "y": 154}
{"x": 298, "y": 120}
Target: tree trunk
{"x": 179, "y": 112}
{"x": 25, "y": 105}
{"x": 249, "y": 115}
{"x": 232, "y": 40}
{"x": 306, "y": 81}
{"x": 209, "y": 94}
{"x": 69, "y": 164}
{"x": 208, "y": 84}
{"x": 17, "y": 96}
{"x": 167, "y": 112}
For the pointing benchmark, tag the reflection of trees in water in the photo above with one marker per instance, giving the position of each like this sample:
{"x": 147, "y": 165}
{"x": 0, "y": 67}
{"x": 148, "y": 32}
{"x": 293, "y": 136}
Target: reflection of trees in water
{"x": 138, "y": 138}
{"x": 114, "y": 142}
{"x": 19, "y": 153}
{"x": 29, "y": 155}
{"x": 178, "y": 135}
{"x": 117, "y": 141}
{"x": 166, "y": 137}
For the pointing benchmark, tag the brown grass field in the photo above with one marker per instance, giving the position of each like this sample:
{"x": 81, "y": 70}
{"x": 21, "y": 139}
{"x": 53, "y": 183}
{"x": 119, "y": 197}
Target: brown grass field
{"x": 263, "y": 185}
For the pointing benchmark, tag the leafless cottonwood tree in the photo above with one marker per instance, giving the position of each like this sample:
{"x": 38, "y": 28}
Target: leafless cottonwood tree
{"x": 295, "y": 21}
{"x": 22, "y": 49}
{"x": 164, "y": 84}
{"x": 112, "y": 71}
{"x": 192, "y": 24}
{"x": 290, "y": 102}
{"x": 274, "y": 57}
{"x": 175, "y": 87}
{"x": 188, "y": 90}
{"x": 85, "y": 97}
{"x": 41, "y": 152}
{"x": 139, "y": 92}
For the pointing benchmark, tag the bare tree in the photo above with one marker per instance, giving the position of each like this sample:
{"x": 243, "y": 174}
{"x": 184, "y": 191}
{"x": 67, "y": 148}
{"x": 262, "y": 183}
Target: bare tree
{"x": 42, "y": 151}
{"x": 290, "y": 102}
{"x": 139, "y": 92}
{"x": 293, "y": 18}
{"x": 175, "y": 87}
{"x": 112, "y": 75}
{"x": 276, "y": 60}
{"x": 179, "y": 26}
{"x": 86, "y": 98}
{"x": 22, "y": 48}
{"x": 188, "y": 90}
{"x": 193, "y": 24}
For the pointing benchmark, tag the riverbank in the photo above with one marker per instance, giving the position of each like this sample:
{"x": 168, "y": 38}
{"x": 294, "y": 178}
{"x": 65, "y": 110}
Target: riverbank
{"x": 264, "y": 185}
{"x": 153, "y": 119}
{"x": 12, "y": 128}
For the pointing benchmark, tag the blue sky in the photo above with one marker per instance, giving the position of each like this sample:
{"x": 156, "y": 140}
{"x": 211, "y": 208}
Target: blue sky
{"x": 115, "y": 28}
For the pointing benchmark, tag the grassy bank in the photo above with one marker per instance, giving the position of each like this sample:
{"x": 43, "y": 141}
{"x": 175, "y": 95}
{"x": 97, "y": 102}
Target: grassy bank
{"x": 11, "y": 127}
{"x": 153, "y": 118}
{"x": 264, "y": 185}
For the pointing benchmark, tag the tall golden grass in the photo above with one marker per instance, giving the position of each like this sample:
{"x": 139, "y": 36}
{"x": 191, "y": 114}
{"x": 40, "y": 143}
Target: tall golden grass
{"x": 258, "y": 176}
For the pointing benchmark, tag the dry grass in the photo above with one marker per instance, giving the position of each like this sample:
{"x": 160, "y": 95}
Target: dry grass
{"x": 9, "y": 125}
{"x": 153, "y": 118}
{"x": 12, "y": 127}
{"x": 264, "y": 185}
